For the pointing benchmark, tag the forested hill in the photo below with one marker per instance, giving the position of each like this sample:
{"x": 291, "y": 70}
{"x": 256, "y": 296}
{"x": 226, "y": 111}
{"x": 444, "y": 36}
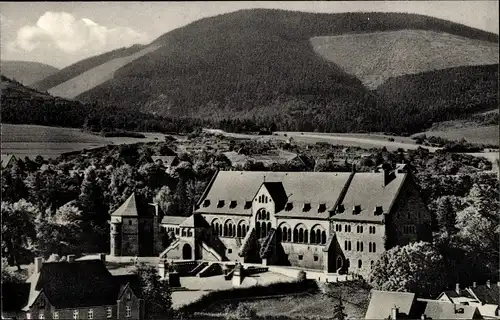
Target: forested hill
{"x": 257, "y": 64}
{"x": 23, "y": 105}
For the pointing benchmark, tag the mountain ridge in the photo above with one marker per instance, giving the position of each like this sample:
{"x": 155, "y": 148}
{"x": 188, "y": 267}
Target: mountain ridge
{"x": 26, "y": 72}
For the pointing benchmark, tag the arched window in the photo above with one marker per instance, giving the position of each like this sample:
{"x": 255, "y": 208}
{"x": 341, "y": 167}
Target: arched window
{"x": 269, "y": 226}
{"x": 295, "y": 235}
{"x": 242, "y": 229}
{"x": 225, "y": 230}
{"x": 229, "y": 228}
{"x": 306, "y": 236}
{"x": 284, "y": 234}
{"x": 301, "y": 235}
{"x": 289, "y": 235}
{"x": 360, "y": 263}
{"x": 371, "y": 264}
{"x": 238, "y": 231}
{"x": 264, "y": 229}
{"x": 313, "y": 237}
{"x": 267, "y": 216}
{"x": 323, "y": 237}
{"x": 374, "y": 247}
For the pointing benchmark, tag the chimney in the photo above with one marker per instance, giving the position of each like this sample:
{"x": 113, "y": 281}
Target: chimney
{"x": 394, "y": 313}
{"x": 71, "y": 258}
{"x": 488, "y": 284}
{"x": 102, "y": 257}
{"x": 474, "y": 284}
{"x": 38, "y": 264}
{"x": 457, "y": 288}
{"x": 353, "y": 167}
{"x": 387, "y": 174}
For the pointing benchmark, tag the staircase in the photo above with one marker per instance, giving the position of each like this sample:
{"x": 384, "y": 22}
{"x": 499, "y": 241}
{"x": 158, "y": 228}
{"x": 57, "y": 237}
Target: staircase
{"x": 212, "y": 251}
{"x": 197, "y": 269}
{"x": 266, "y": 247}
{"x": 249, "y": 238}
{"x": 213, "y": 269}
{"x": 172, "y": 246}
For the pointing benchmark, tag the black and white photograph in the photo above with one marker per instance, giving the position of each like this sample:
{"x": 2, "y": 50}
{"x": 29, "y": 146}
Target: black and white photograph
{"x": 263, "y": 160}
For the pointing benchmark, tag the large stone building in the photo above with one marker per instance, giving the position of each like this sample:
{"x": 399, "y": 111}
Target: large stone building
{"x": 335, "y": 222}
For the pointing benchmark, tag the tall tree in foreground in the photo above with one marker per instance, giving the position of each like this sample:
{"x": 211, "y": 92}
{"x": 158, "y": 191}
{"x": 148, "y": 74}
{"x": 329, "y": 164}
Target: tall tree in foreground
{"x": 417, "y": 267}
{"x": 18, "y": 230}
{"x": 155, "y": 292}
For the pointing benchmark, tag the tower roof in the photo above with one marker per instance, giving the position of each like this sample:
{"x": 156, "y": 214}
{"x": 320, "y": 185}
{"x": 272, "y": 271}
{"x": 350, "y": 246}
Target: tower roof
{"x": 132, "y": 207}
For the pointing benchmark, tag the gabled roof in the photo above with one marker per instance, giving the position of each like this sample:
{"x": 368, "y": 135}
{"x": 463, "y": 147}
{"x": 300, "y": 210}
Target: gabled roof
{"x": 445, "y": 310}
{"x": 14, "y": 296}
{"x": 485, "y": 294}
{"x": 300, "y": 188}
{"x": 7, "y": 159}
{"x": 80, "y": 283}
{"x": 174, "y": 220}
{"x": 382, "y": 302}
{"x": 367, "y": 191}
{"x": 166, "y": 160}
{"x": 194, "y": 221}
{"x": 278, "y": 193}
{"x": 453, "y": 294}
{"x": 132, "y": 207}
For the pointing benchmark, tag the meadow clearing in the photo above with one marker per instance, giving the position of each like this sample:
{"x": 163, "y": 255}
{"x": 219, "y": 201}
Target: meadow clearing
{"x": 24, "y": 140}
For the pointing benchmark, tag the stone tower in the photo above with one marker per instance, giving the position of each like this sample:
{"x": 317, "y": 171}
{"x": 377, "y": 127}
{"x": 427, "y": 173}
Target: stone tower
{"x": 124, "y": 233}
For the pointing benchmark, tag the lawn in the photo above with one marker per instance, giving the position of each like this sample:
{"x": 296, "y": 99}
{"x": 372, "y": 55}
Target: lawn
{"x": 485, "y": 135}
{"x": 355, "y": 298}
{"x": 31, "y": 140}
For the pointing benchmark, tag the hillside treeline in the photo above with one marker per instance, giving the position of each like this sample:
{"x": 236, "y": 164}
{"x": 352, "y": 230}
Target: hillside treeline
{"x": 22, "y": 105}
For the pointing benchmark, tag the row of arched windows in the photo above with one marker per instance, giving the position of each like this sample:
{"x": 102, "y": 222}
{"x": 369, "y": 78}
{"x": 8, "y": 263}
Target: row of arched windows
{"x": 263, "y": 199}
{"x": 262, "y": 228}
{"x": 229, "y": 228}
{"x": 301, "y": 234}
{"x": 263, "y": 215}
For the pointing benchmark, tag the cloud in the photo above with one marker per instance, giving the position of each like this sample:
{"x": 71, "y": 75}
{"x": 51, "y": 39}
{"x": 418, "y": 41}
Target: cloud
{"x": 63, "y": 31}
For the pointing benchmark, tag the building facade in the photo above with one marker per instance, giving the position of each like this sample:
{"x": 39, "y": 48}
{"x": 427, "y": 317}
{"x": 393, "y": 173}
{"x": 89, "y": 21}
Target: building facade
{"x": 330, "y": 221}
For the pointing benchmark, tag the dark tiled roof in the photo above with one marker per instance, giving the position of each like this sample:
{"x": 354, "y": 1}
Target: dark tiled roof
{"x": 382, "y": 302}
{"x": 445, "y": 310}
{"x": 15, "y": 296}
{"x": 487, "y": 295}
{"x": 462, "y": 293}
{"x": 133, "y": 207}
{"x": 176, "y": 220}
{"x": 79, "y": 284}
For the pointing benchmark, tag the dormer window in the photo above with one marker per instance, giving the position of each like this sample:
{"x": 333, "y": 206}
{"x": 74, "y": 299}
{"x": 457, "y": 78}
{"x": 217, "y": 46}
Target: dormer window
{"x": 307, "y": 207}
{"x": 289, "y": 206}
{"x": 206, "y": 203}
{"x": 340, "y": 208}
{"x": 378, "y": 210}
{"x": 248, "y": 204}
{"x": 322, "y": 207}
{"x": 220, "y": 204}
{"x": 232, "y": 204}
{"x": 356, "y": 209}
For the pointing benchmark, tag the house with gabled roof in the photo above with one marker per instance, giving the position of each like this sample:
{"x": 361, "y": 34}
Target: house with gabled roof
{"x": 485, "y": 297}
{"x": 329, "y": 221}
{"x": 74, "y": 289}
{"x": 8, "y": 160}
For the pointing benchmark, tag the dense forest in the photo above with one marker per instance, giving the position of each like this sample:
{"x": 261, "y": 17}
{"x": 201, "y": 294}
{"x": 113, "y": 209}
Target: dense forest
{"x": 23, "y": 105}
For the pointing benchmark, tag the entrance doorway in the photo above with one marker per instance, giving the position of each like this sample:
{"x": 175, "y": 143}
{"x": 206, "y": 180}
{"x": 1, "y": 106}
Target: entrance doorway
{"x": 187, "y": 252}
{"x": 339, "y": 264}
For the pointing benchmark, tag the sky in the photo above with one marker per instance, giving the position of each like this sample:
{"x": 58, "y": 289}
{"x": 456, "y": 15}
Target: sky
{"x": 62, "y": 33}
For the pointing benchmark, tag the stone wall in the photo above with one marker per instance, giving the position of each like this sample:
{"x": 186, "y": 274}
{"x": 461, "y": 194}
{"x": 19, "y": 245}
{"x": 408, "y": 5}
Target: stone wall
{"x": 304, "y": 255}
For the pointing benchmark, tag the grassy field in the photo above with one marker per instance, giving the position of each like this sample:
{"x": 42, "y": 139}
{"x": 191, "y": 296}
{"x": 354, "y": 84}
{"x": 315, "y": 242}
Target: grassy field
{"x": 486, "y": 135}
{"x": 354, "y": 298}
{"x": 375, "y": 57}
{"x": 96, "y": 76}
{"x": 32, "y": 140}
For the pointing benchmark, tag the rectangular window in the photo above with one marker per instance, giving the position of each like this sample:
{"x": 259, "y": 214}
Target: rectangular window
{"x": 229, "y": 250}
{"x": 301, "y": 257}
{"x": 316, "y": 258}
{"x": 56, "y": 315}
{"x": 128, "y": 312}
{"x": 75, "y": 314}
{"x": 130, "y": 222}
{"x": 91, "y": 314}
{"x": 109, "y": 312}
